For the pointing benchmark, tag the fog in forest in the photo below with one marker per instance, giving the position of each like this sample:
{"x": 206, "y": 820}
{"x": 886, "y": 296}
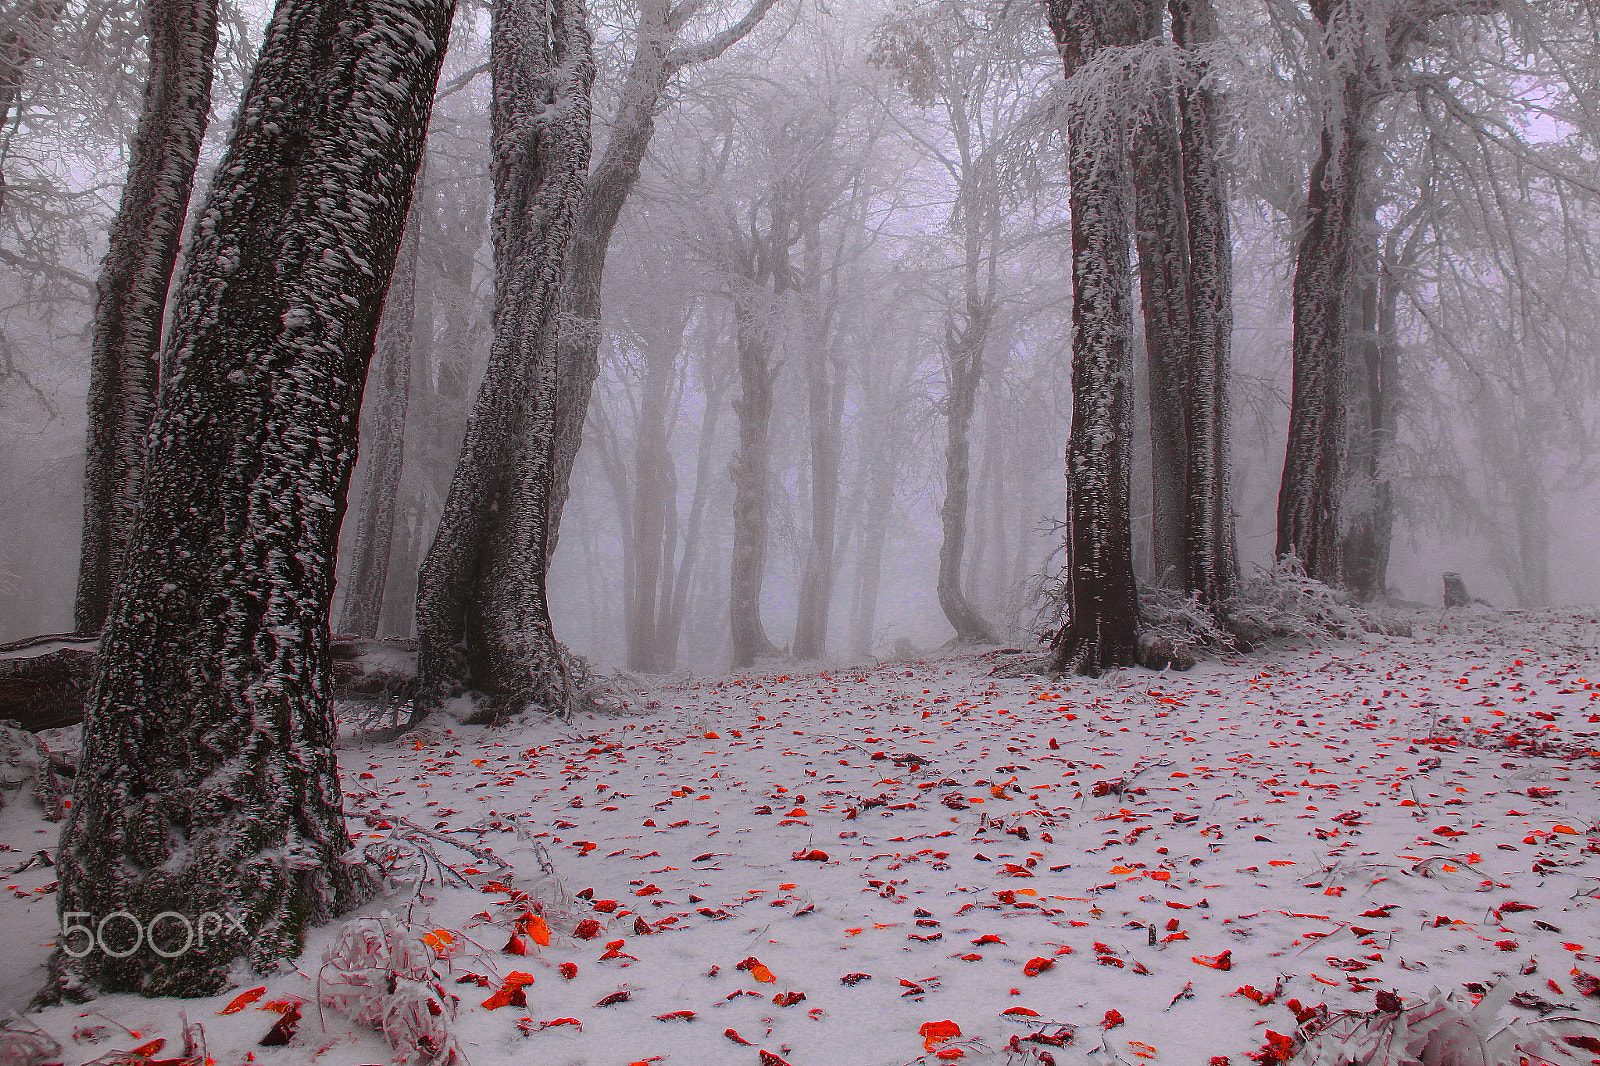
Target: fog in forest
{"x": 861, "y": 191}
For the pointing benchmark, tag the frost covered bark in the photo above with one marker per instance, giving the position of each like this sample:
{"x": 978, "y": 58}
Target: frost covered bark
{"x": 380, "y": 489}
{"x": 1103, "y": 614}
{"x": 963, "y": 359}
{"x": 1185, "y": 269}
{"x": 134, "y": 280}
{"x": 482, "y": 613}
{"x": 659, "y": 54}
{"x": 207, "y": 781}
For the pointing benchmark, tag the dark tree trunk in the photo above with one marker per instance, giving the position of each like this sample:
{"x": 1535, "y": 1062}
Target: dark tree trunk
{"x": 1103, "y": 613}
{"x": 207, "y": 782}
{"x": 1185, "y": 266}
{"x": 380, "y": 490}
{"x": 657, "y": 57}
{"x": 482, "y": 586}
{"x": 1209, "y": 527}
{"x": 963, "y": 371}
{"x": 25, "y": 33}
{"x": 134, "y": 279}
{"x": 1313, "y": 468}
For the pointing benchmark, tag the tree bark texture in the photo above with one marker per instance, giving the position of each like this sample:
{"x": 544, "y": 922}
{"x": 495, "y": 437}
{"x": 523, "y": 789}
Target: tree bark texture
{"x": 482, "y": 586}
{"x": 380, "y": 489}
{"x": 1185, "y": 264}
{"x": 1103, "y": 612}
{"x": 654, "y": 526}
{"x": 1313, "y": 468}
{"x": 133, "y": 285}
{"x": 658, "y": 56}
{"x": 207, "y": 780}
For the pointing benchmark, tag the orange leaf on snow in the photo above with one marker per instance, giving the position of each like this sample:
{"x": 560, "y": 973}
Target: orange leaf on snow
{"x": 243, "y": 1000}
{"x": 536, "y": 927}
{"x": 935, "y": 1033}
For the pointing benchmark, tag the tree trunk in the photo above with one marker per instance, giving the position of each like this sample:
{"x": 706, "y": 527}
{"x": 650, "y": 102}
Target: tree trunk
{"x": 1162, "y": 237}
{"x": 369, "y": 564}
{"x": 655, "y": 504}
{"x": 748, "y": 471}
{"x": 869, "y": 557}
{"x": 134, "y": 279}
{"x": 657, "y": 57}
{"x": 1213, "y": 552}
{"x": 824, "y": 388}
{"x": 482, "y": 586}
{"x": 1103, "y": 612}
{"x": 963, "y": 370}
{"x": 207, "y": 783}
{"x": 1313, "y": 468}
{"x": 671, "y": 630}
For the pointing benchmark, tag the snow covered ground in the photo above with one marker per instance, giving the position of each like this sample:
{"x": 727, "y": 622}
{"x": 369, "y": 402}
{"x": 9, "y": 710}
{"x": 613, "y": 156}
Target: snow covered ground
{"x": 822, "y": 869}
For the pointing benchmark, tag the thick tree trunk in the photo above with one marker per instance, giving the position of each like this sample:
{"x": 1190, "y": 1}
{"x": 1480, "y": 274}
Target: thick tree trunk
{"x": 1374, "y": 410}
{"x": 482, "y": 586}
{"x": 134, "y": 279}
{"x": 1103, "y": 611}
{"x": 1162, "y": 238}
{"x": 369, "y": 563}
{"x": 1313, "y": 469}
{"x": 1213, "y": 570}
{"x": 657, "y": 57}
{"x": 207, "y": 783}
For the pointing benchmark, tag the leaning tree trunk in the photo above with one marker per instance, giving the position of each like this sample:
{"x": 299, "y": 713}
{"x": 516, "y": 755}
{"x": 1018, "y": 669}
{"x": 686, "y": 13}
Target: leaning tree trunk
{"x": 657, "y": 57}
{"x": 1313, "y": 467}
{"x": 964, "y": 360}
{"x": 208, "y": 784}
{"x": 133, "y": 289}
{"x": 369, "y": 563}
{"x": 482, "y": 586}
{"x": 1103, "y": 611}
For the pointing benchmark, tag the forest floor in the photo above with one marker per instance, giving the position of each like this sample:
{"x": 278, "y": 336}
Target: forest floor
{"x": 822, "y": 869}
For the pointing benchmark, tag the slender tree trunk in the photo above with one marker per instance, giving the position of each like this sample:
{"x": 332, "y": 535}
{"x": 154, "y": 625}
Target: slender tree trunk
{"x": 963, "y": 370}
{"x": 134, "y": 279}
{"x": 369, "y": 565}
{"x": 657, "y": 57}
{"x": 869, "y": 557}
{"x": 482, "y": 586}
{"x": 1313, "y": 469}
{"x": 672, "y": 628}
{"x": 749, "y": 472}
{"x": 207, "y": 782}
{"x": 655, "y": 504}
{"x": 823, "y": 385}
{"x": 1103, "y": 611}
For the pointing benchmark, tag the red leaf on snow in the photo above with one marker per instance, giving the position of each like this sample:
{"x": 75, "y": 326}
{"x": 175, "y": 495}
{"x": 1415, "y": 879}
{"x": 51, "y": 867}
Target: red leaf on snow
{"x": 1223, "y": 961}
{"x": 769, "y": 1059}
{"x": 736, "y": 1038}
{"x": 568, "y": 970}
{"x": 1113, "y": 1019}
{"x": 1038, "y": 965}
{"x": 587, "y": 929}
{"x": 243, "y": 1000}
{"x": 810, "y": 856}
{"x": 619, "y": 996}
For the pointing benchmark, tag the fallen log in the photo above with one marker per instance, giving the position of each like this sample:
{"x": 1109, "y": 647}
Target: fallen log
{"x": 44, "y": 680}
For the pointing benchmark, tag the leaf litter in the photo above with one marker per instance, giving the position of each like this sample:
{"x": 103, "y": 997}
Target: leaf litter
{"x": 1363, "y": 851}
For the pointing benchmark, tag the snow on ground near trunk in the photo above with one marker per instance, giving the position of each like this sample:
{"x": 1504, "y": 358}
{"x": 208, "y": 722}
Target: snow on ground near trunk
{"x": 1331, "y": 820}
